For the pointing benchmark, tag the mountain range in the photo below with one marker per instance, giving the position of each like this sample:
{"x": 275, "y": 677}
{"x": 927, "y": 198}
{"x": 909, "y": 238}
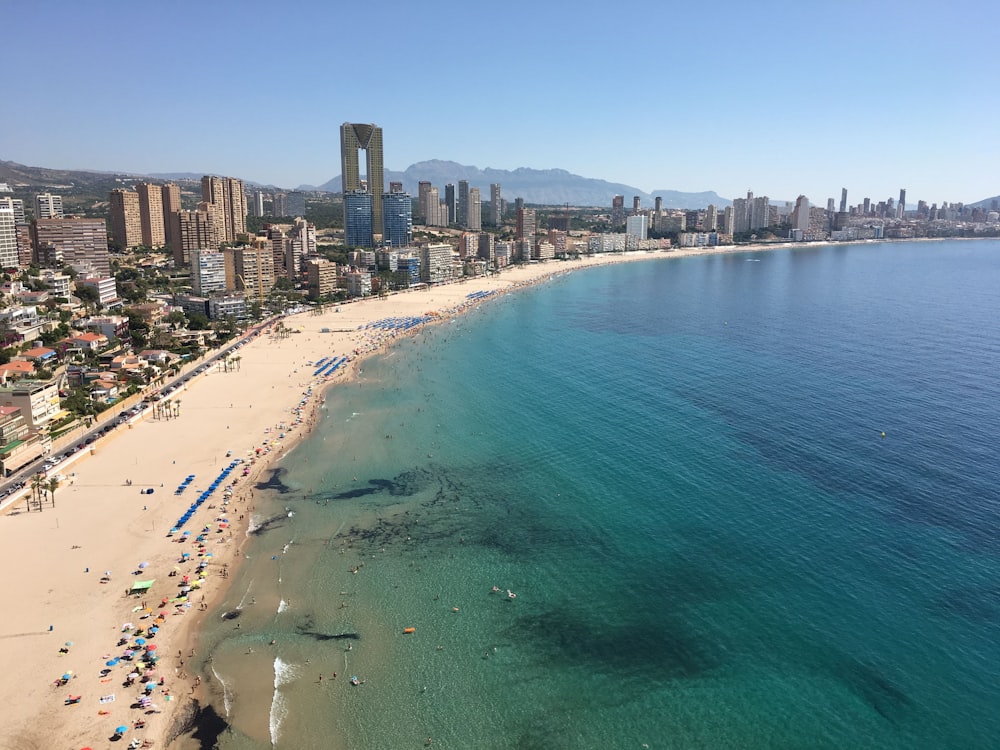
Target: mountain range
{"x": 552, "y": 187}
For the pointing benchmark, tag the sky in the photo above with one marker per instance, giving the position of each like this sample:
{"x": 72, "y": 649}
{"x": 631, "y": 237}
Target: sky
{"x": 782, "y": 98}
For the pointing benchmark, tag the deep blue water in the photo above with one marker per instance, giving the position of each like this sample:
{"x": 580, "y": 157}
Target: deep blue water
{"x": 679, "y": 468}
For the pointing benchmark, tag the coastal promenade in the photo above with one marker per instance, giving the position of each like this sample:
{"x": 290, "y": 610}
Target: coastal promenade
{"x": 69, "y": 639}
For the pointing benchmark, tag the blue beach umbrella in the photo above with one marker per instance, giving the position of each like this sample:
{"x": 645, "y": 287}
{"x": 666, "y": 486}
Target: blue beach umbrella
{"x": 111, "y": 662}
{"x": 121, "y": 730}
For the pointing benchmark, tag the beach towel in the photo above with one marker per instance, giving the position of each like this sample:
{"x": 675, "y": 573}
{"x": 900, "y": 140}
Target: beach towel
{"x": 107, "y": 698}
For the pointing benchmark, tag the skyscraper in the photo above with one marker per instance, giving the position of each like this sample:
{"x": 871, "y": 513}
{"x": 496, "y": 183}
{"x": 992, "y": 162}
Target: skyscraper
{"x": 711, "y": 222}
{"x": 228, "y": 204}
{"x": 474, "y": 218}
{"x": 171, "y": 196}
{"x": 843, "y": 200}
{"x": 126, "y": 223}
{"x": 617, "y": 211}
{"x": 358, "y": 219}
{"x": 901, "y": 208}
{"x": 353, "y": 137}
{"x": 193, "y": 230}
{"x": 423, "y": 205}
{"x": 636, "y": 205}
{"x": 8, "y": 238}
{"x": 800, "y": 216}
{"x": 449, "y": 199}
{"x": 398, "y": 226}
{"x": 496, "y": 205}
{"x": 151, "y": 214}
{"x": 462, "y": 216}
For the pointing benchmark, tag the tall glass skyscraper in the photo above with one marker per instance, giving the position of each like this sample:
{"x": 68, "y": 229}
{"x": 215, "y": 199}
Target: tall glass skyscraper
{"x": 353, "y": 137}
{"x": 358, "y": 219}
{"x": 397, "y": 228}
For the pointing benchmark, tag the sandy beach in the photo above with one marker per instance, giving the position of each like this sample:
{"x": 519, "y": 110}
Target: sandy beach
{"x": 70, "y": 567}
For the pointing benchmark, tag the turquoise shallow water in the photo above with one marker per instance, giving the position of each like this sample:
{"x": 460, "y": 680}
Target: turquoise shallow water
{"x": 678, "y": 468}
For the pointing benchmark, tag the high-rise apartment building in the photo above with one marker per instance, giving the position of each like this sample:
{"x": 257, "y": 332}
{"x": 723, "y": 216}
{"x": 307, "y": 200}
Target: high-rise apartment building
{"x": 193, "y": 230}
{"x": 126, "y": 223}
{"x": 151, "y": 214}
{"x": 228, "y": 204}
{"x": 8, "y": 238}
{"x": 48, "y": 206}
{"x": 525, "y": 229}
{"x": 617, "y": 211}
{"x": 354, "y": 137}
{"x": 901, "y": 208}
{"x": 462, "y": 215}
{"x": 255, "y": 270}
{"x": 76, "y": 242}
{"x": 171, "y": 196}
{"x": 208, "y": 272}
{"x": 437, "y": 211}
{"x": 711, "y": 222}
{"x": 843, "y": 200}
{"x": 358, "y": 218}
{"x": 800, "y": 216}
{"x": 474, "y": 211}
{"x": 451, "y": 203}
{"x": 397, "y": 209}
{"x": 16, "y": 205}
{"x": 636, "y": 205}
{"x": 423, "y": 207}
{"x": 496, "y": 205}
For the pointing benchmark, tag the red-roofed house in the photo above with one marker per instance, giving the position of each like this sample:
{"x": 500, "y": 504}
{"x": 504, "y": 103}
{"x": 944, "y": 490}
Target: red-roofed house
{"x": 92, "y": 341}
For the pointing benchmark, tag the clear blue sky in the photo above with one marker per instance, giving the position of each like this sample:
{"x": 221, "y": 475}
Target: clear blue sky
{"x": 781, "y": 97}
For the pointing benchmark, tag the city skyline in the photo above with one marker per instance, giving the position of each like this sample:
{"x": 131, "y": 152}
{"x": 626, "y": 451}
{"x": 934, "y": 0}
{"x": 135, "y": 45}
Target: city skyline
{"x": 789, "y": 103}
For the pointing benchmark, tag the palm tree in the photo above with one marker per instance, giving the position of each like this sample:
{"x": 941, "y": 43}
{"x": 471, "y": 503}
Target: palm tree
{"x": 237, "y": 360}
{"x": 37, "y": 485}
{"x": 53, "y": 485}
{"x": 177, "y": 408}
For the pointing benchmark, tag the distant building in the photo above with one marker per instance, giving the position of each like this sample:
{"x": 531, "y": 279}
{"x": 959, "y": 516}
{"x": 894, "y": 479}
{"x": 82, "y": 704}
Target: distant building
{"x": 397, "y": 208}
{"x": 16, "y": 205}
{"x": 208, "y": 271}
{"x": 451, "y": 203}
{"x": 151, "y": 214}
{"x": 800, "y": 216}
{"x": 462, "y": 215}
{"x": 104, "y": 286}
{"x": 255, "y": 271}
{"x": 354, "y": 137}
{"x": 170, "y": 194}
{"x": 227, "y": 201}
{"x": 321, "y": 278}
{"x": 48, "y": 206}
{"x": 435, "y": 263}
{"x": 496, "y": 205}
{"x": 358, "y": 219}
{"x": 423, "y": 205}
{"x": 8, "y": 238}
{"x": 126, "y": 223}
{"x": 636, "y": 226}
{"x": 76, "y": 242}
{"x": 194, "y": 230}
{"x": 474, "y": 216}
{"x": 618, "y": 211}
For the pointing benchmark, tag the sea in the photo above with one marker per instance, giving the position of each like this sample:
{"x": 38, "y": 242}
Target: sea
{"x": 748, "y": 500}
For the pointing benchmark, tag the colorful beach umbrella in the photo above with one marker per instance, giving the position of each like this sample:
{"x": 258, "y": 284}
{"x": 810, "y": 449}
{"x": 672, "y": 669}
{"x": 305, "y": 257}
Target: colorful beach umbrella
{"x": 121, "y": 729}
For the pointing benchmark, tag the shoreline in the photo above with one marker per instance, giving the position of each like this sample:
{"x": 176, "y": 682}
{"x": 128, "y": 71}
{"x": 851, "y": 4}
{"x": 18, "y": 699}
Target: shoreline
{"x": 97, "y": 524}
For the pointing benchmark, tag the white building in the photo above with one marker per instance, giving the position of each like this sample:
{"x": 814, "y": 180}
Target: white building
{"x": 436, "y": 263}
{"x": 48, "y": 206}
{"x": 208, "y": 272}
{"x": 635, "y": 226}
{"x": 105, "y": 286}
{"x": 359, "y": 283}
{"x": 8, "y": 238}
